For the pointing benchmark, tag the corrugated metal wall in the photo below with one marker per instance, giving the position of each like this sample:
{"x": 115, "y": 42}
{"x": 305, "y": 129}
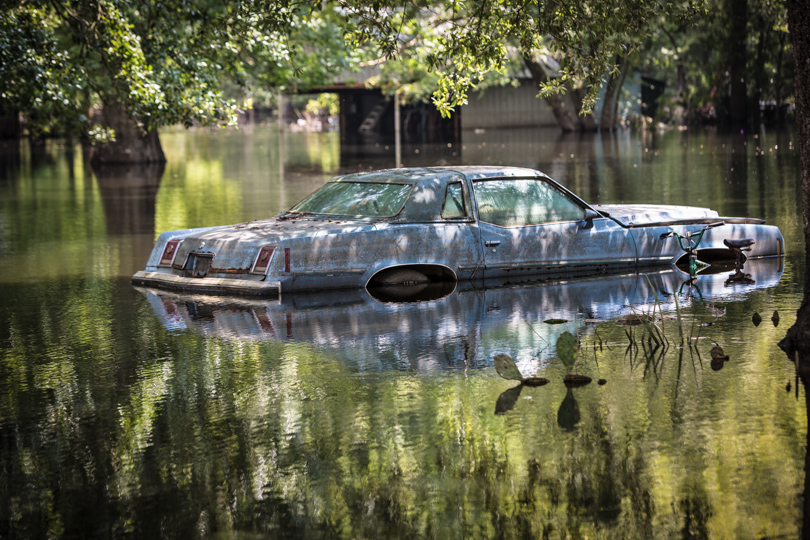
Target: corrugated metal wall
{"x": 507, "y": 106}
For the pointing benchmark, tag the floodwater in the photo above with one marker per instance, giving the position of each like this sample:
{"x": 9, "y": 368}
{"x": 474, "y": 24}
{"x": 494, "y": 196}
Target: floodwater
{"x": 127, "y": 412}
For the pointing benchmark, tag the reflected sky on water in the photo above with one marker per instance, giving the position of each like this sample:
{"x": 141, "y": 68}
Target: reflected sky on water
{"x": 132, "y": 413}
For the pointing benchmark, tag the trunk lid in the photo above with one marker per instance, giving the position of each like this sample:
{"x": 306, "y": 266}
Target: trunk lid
{"x": 235, "y": 247}
{"x": 647, "y": 214}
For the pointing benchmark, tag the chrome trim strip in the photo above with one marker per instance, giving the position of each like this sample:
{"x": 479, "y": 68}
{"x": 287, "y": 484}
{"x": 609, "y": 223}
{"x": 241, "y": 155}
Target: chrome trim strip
{"x": 561, "y": 264}
{"x": 228, "y": 285}
{"x": 350, "y": 272}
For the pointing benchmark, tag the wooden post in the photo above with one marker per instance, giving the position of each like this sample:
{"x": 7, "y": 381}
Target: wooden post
{"x": 397, "y": 132}
{"x": 280, "y": 112}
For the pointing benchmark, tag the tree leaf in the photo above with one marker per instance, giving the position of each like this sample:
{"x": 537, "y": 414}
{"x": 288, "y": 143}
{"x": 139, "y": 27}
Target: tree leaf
{"x": 506, "y": 367}
{"x": 567, "y": 345}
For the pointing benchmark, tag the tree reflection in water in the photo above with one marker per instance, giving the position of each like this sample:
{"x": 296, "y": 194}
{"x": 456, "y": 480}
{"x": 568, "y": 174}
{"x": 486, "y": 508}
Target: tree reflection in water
{"x": 130, "y": 415}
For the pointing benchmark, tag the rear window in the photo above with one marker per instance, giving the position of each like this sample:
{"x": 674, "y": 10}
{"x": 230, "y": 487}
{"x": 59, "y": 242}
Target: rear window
{"x": 365, "y": 199}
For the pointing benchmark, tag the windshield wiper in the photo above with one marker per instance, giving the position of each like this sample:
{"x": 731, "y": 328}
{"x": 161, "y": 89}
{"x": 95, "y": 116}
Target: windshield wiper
{"x": 290, "y": 214}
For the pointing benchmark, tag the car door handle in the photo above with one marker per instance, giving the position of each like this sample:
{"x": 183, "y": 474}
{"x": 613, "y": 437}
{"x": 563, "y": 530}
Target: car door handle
{"x": 492, "y": 243}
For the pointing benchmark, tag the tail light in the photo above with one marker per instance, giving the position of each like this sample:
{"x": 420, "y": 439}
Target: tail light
{"x": 169, "y": 253}
{"x": 263, "y": 260}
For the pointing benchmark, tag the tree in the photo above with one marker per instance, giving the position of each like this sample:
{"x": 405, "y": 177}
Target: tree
{"x": 721, "y": 68}
{"x": 144, "y": 64}
{"x": 477, "y": 38}
{"x": 798, "y": 336}
{"x": 467, "y": 44}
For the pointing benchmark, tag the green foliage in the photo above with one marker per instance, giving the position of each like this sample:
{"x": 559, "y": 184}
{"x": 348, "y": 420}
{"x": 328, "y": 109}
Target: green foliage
{"x": 328, "y": 102}
{"x": 567, "y": 346}
{"x": 692, "y": 56}
{"x": 167, "y": 62}
{"x": 465, "y": 40}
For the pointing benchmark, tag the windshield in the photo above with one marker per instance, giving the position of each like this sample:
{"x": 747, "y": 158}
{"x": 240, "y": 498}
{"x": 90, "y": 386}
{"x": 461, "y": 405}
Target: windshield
{"x": 355, "y": 199}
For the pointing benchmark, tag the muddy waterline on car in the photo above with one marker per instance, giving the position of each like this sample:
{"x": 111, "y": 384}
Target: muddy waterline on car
{"x": 130, "y": 413}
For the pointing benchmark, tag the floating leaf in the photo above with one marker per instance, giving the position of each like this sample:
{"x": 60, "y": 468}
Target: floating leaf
{"x": 573, "y": 380}
{"x": 535, "y": 381}
{"x": 567, "y": 349}
{"x": 756, "y": 319}
{"x": 506, "y": 367}
{"x": 506, "y": 401}
{"x": 555, "y": 321}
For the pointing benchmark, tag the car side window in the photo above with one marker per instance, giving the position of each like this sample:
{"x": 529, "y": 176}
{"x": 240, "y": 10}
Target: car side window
{"x": 523, "y": 201}
{"x": 454, "y": 207}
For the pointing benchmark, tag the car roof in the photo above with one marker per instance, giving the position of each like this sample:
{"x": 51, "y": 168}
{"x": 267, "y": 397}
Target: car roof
{"x": 417, "y": 175}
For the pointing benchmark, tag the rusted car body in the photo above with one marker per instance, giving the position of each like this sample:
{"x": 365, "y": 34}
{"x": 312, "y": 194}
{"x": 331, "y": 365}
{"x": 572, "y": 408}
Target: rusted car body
{"x": 437, "y": 224}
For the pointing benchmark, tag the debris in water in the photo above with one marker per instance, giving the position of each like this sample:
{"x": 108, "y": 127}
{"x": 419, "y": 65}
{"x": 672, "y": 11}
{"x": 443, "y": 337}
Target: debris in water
{"x": 535, "y": 381}
{"x": 573, "y": 380}
{"x": 555, "y": 321}
{"x": 706, "y": 324}
{"x": 756, "y": 319}
{"x": 506, "y": 367}
{"x": 717, "y": 353}
{"x": 775, "y": 318}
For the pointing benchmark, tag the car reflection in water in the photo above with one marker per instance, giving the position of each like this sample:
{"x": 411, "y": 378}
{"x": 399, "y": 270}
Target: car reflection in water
{"x": 464, "y": 325}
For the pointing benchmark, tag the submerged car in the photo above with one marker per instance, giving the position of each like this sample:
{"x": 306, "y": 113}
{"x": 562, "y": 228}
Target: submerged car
{"x": 419, "y": 225}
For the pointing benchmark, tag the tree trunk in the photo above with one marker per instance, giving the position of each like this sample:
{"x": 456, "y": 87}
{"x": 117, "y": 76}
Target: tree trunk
{"x": 618, "y": 93}
{"x": 607, "y": 120}
{"x": 798, "y": 337}
{"x": 778, "y": 79}
{"x": 133, "y": 143}
{"x": 566, "y": 120}
{"x": 760, "y": 77}
{"x": 738, "y": 13}
{"x": 587, "y": 122}
{"x": 9, "y": 122}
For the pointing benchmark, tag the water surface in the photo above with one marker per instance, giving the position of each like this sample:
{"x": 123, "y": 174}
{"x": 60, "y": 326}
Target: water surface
{"x": 130, "y": 413}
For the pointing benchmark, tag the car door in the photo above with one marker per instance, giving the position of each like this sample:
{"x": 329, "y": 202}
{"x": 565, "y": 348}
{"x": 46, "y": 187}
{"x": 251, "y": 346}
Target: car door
{"x": 533, "y": 226}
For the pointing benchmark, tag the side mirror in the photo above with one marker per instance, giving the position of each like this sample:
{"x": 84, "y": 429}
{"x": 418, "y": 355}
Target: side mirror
{"x": 587, "y": 222}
